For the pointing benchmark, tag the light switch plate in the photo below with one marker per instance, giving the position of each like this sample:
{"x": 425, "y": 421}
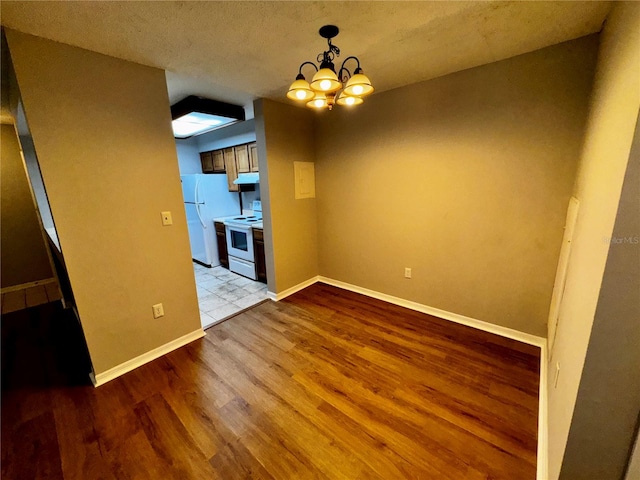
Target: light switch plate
{"x": 158, "y": 310}
{"x": 166, "y": 218}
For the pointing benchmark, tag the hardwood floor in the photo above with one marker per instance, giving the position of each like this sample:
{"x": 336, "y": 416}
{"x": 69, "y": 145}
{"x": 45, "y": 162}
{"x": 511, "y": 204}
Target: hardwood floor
{"x": 324, "y": 384}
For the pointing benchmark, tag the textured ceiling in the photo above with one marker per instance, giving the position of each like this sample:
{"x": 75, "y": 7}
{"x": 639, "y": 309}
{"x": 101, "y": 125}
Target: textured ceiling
{"x": 239, "y": 51}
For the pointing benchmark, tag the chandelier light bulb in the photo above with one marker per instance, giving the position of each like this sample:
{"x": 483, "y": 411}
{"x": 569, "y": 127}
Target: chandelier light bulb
{"x": 319, "y": 103}
{"x": 325, "y": 85}
{"x": 350, "y": 100}
{"x": 301, "y": 94}
{"x": 357, "y": 90}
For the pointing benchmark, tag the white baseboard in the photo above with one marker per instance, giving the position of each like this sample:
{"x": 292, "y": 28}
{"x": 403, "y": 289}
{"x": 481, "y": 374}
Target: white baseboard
{"x": 115, "y": 372}
{"x": 436, "y": 312}
{"x": 24, "y": 286}
{"x": 276, "y": 297}
{"x": 543, "y": 432}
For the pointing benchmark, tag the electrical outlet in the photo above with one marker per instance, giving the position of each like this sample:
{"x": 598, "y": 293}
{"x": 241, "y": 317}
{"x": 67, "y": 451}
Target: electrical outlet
{"x": 158, "y": 310}
{"x": 166, "y": 218}
{"x": 555, "y": 379}
{"x": 407, "y": 272}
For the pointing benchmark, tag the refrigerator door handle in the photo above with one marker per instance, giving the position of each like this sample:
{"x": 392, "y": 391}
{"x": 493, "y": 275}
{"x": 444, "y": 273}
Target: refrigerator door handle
{"x": 200, "y": 216}
{"x": 198, "y": 203}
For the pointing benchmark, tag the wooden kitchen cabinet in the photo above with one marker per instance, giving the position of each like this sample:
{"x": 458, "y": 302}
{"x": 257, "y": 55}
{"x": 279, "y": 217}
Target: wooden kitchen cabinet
{"x": 221, "y": 239}
{"x": 218, "y": 161}
{"x": 207, "y": 162}
{"x": 212, "y": 162}
{"x": 253, "y": 157}
{"x": 233, "y": 160}
{"x": 231, "y": 168}
{"x": 258, "y": 252}
{"x": 242, "y": 158}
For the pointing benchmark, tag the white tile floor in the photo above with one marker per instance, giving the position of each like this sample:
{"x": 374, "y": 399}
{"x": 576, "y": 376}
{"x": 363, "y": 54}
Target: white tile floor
{"x": 222, "y": 293}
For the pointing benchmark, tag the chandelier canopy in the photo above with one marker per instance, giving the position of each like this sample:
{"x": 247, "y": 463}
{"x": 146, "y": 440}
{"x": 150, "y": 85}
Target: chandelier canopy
{"x": 326, "y": 85}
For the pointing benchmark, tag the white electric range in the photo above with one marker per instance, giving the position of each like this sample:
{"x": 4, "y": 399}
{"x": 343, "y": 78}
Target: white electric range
{"x": 239, "y": 231}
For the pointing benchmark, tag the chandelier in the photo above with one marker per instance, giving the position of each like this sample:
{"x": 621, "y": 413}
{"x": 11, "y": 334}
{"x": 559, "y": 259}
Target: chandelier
{"x": 325, "y": 84}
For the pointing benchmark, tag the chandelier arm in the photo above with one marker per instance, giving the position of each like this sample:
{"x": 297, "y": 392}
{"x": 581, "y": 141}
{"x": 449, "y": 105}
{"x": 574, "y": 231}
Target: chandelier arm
{"x": 307, "y": 63}
{"x": 346, "y": 60}
{"x": 342, "y": 78}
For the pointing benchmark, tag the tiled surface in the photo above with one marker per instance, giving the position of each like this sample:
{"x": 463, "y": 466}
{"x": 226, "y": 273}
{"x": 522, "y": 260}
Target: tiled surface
{"x": 30, "y": 297}
{"x": 222, "y": 293}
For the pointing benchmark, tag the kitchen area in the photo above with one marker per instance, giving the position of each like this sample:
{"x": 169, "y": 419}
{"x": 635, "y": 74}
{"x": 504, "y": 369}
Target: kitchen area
{"x": 221, "y": 189}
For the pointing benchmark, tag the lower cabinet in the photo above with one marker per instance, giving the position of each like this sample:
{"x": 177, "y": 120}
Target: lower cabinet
{"x": 221, "y": 238}
{"x": 258, "y": 251}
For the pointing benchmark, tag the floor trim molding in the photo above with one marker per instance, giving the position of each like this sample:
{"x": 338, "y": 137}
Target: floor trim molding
{"x": 542, "y": 457}
{"x": 118, "y": 370}
{"x": 276, "y": 297}
{"x": 436, "y": 312}
{"x": 25, "y": 286}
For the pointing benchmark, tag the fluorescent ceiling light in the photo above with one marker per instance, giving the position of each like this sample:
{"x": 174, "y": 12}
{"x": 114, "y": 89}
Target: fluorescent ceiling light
{"x": 196, "y": 115}
{"x": 195, "y": 123}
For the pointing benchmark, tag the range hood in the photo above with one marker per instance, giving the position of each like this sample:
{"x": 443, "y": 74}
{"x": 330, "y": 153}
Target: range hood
{"x": 247, "y": 179}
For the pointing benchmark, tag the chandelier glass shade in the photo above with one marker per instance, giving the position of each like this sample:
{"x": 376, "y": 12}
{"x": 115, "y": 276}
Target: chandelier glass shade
{"x": 320, "y": 100}
{"x": 300, "y": 89}
{"x": 325, "y": 80}
{"x": 326, "y": 84}
{"x": 358, "y": 85}
{"x": 348, "y": 100}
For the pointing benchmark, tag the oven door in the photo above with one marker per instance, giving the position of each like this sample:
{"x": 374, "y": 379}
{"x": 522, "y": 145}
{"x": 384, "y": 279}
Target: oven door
{"x": 240, "y": 242}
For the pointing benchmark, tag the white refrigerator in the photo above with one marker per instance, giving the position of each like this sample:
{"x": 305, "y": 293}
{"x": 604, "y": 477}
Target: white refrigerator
{"x": 206, "y": 197}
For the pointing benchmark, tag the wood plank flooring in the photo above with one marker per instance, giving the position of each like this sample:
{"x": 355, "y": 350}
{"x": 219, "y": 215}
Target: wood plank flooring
{"x": 326, "y": 384}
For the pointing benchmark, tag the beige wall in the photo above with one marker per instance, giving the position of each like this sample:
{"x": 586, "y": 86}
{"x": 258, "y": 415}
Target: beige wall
{"x": 613, "y": 111}
{"x": 102, "y": 132}
{"x": 285, "y": 135}
{"x": 598, "y": 445}
{"x": 24, "y": 258}
{"x": 465, "y": 179}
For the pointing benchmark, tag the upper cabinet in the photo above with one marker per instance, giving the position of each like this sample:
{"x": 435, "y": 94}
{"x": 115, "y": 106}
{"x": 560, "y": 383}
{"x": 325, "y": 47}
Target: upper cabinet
{"x": 253, "y": 157}
{"x": 218, "y": 161}
{"x": 207, "y": 162}
{"x": 231, "y": 167}
{"x": 232, "y": 161}
{"x": 242, "y": 158}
